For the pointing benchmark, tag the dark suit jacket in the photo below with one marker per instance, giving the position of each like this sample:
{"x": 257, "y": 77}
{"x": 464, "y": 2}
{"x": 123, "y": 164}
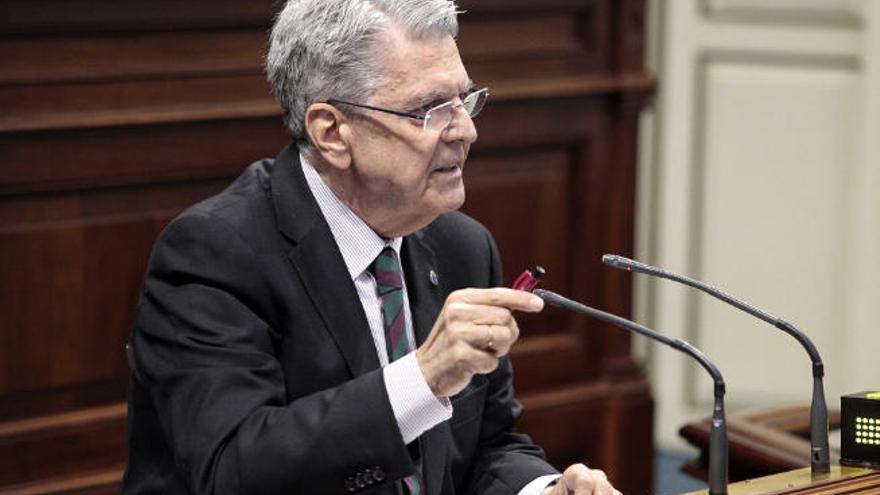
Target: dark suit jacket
{"x": 253, "y": 368}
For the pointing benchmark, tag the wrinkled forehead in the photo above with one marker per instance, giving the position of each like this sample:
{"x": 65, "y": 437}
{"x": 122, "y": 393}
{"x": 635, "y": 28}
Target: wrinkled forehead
{"x": 415, "y": 65}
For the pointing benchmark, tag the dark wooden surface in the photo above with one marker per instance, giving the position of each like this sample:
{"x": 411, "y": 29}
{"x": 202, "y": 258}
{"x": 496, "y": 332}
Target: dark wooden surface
{"x": 116, "y": 115}
{"x": 761, "y": 442}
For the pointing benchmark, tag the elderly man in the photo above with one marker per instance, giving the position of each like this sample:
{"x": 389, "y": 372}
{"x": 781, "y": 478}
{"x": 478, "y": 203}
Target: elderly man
{"x": 327, "y": 323}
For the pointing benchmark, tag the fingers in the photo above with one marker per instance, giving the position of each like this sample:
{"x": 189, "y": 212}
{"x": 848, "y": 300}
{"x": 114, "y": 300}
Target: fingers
{"x": 483, "y": 316}
{"x": 578, "y": 479}
{"x": 490, "y": 328}
{"x": 516, "y": 300}
{"x": 474, "y": 329}
{"x": 478, "y": 314}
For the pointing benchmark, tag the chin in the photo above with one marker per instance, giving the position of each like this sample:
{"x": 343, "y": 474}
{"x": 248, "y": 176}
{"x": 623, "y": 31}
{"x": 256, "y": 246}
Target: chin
{"x": 453, "y": 202}
{"x": 435, "y": 209}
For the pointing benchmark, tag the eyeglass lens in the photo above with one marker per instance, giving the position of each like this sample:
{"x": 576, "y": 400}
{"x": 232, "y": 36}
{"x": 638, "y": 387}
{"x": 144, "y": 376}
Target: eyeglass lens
{"x": 440, "y": 117}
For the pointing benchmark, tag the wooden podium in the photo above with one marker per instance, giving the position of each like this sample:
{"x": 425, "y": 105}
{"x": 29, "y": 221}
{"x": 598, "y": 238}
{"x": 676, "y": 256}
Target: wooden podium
{"x": 841, "y": 480}
{"x": 769, "y": 453}
{"x": 762, "y": 442}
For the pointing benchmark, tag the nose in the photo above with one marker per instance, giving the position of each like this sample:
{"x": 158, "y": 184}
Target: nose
{"x": 460, "y": 128}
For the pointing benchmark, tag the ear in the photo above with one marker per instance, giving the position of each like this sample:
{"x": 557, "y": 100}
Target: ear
{"x": 329, "y": 131}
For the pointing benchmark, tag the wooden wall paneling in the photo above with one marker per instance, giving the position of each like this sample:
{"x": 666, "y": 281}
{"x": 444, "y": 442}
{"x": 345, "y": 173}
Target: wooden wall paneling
{"x": 60, "y": 300}
{"x": 67, "y": 261}
{"x": 41, "y": 107}
{"x": 594, "y": 411}
{"x": 621, "y": 204}
{"x": 117, "y": 116}
{"x": 629, "y": 445}
{"x": 87, "y": 440}
{"x": 129, "y": 155}
{"x": 19, "y": 17}
{"x": 97, "y": 58}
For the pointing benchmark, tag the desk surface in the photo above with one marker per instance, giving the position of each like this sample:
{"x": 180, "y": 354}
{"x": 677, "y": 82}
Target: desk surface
{"x": 840, "y": 480}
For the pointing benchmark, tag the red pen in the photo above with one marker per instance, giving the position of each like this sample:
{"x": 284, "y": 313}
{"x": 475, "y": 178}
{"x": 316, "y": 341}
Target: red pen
{"x": 529, "y": 278}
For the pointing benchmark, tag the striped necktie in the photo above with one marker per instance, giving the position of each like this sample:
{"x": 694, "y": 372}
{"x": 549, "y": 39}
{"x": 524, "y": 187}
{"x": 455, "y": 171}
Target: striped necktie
{"x": 389, "y": 285}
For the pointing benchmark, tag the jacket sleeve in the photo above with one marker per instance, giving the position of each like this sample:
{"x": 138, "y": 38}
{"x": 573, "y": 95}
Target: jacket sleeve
{"x": 206, "y": 357}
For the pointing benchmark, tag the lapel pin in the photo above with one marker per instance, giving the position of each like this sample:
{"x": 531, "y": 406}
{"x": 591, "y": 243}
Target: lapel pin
{"x": 433, "y": 276}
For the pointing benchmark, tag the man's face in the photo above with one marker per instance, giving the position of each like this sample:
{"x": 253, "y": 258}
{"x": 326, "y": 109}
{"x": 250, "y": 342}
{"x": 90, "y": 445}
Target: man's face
{"x": 404, "y": 177}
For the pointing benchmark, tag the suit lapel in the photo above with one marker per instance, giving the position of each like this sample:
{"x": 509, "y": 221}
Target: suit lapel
{"x": 423, "y": 286}
{"x": 319, "y": 264}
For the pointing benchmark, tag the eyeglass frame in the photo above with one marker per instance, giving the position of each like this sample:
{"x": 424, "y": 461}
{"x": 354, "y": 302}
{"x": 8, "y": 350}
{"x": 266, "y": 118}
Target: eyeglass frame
{"x": 423, "y": 118}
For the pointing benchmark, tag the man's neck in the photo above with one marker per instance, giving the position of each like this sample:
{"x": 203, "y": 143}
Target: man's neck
{"x": 387, "y": 224}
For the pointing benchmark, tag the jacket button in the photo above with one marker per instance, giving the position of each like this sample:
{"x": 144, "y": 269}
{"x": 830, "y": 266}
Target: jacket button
{"x": 350, "y": 485}
{"x": 368, "y": 476}
{"x": 378, "y": 474}
{"x": 359, "y": 480}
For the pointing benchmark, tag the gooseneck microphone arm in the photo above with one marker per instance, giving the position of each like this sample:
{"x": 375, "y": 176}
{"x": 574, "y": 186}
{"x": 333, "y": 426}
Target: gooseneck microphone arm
{"x": 820, "y": 458}
{"x": 718, "y": 434}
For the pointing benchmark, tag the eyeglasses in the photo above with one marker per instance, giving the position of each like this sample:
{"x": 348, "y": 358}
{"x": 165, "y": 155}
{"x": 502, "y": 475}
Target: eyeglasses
{"x": 436, "y": 118}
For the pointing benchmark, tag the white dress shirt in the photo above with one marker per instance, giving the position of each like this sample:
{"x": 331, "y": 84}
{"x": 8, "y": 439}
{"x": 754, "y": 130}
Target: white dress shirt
{"x": 415, "y": 407}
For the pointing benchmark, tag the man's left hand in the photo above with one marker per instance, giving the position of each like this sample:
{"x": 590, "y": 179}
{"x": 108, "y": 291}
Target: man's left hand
{"x": 581, "y": 480}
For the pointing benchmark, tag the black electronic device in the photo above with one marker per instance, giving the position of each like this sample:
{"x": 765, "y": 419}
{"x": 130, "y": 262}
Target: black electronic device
{"x": 860, "y": 429}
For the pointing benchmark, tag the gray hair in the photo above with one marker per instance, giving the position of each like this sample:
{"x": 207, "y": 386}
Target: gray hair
{"x": 322, "y": 49}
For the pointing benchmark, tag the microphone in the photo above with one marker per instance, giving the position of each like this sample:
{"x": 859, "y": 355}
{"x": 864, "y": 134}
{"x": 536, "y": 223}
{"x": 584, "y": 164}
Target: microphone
{"x": 820, "y": 458}
{"x": 718, "y": 433}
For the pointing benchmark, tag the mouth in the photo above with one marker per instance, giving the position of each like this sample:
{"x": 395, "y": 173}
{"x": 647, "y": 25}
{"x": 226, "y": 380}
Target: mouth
{"x": 448, "y": 169}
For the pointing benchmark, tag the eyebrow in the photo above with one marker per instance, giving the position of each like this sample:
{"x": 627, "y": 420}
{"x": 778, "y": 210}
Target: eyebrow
{"x": 435, "y": 95}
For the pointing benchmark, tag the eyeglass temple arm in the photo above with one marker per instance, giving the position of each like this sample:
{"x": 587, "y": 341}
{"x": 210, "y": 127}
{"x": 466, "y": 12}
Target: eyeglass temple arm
{"x": 385, "y": 110}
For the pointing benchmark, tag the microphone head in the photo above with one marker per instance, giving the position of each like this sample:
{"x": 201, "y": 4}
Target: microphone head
{"x": 616, "y": 261}
{"x": 549, "y": 297}
{"x": 540, "y": 293}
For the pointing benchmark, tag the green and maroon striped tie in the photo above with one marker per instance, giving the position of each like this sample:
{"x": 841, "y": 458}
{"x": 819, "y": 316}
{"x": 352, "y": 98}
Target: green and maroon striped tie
{"x": 389, "y": 285}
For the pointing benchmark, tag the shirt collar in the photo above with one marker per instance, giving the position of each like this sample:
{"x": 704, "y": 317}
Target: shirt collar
{"x": 358, "y": 243}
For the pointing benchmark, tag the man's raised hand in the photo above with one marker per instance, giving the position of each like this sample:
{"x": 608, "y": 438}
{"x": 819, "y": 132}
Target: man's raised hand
{"x": 473, "y": 330}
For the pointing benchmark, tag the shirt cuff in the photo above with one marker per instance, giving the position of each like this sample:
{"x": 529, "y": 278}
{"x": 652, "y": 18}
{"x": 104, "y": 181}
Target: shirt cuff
{"x": 415, "y": 407}
{"x": 538, "y": 484}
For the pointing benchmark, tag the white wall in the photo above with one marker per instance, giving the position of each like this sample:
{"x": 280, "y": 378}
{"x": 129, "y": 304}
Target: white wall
{"x": 760, "y": 173}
